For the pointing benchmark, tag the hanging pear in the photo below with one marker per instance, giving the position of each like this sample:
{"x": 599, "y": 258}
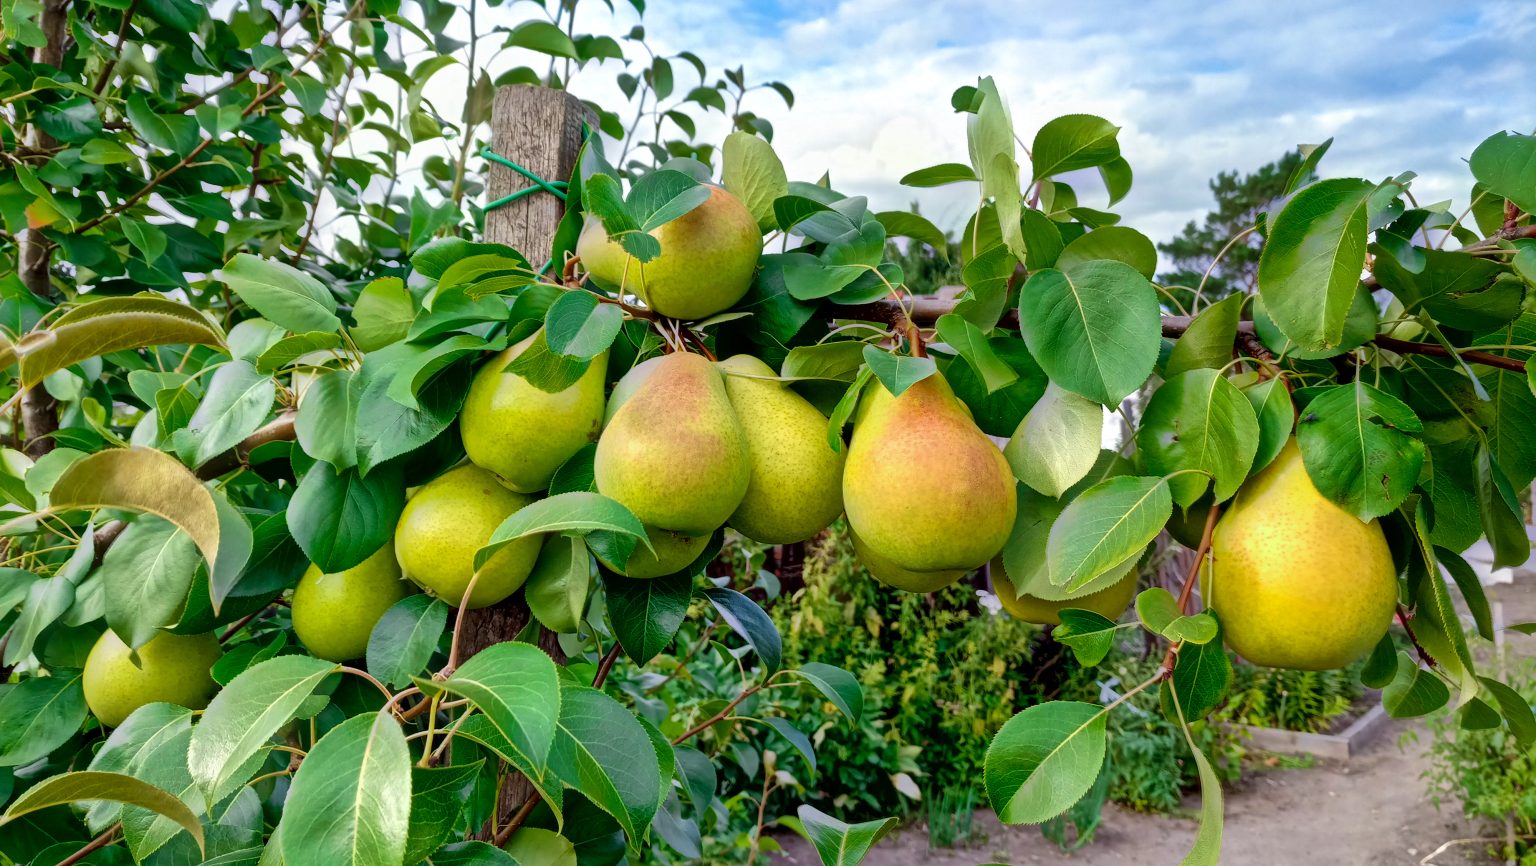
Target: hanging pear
{"x": 925, "y": 490}
{"x": 797, "y": 479}
{"x": 447, "y": 521}
{"x": 522, "y": 433}
{"x": 1297, "y": 581}
{"x": 674, "y": 453}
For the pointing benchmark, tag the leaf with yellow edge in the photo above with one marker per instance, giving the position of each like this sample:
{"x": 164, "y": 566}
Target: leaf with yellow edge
{"x": 96, "y": 785}
{"x": 106, "y": 326}
{"x": 142, "y": 479}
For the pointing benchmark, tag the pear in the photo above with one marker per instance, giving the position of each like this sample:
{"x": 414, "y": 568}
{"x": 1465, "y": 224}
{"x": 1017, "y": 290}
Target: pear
{"x": 172, "y": 669}
{"x": 1109, "y": 602}
{"x": 628, "y": 384}
{"x": 925, "y": 490}
{"x": 706, "y": 263}
{"x": 675, "y": 454}
{"x": 522, "y": 433}
{"x": 1297, "y": 581}
{"x": 797, "y": 479}
{"x": 334, "y": 614}
{"x": 893, "y": 575}
{"x": 450, "y": 518}
{"x": 674, "y": 552}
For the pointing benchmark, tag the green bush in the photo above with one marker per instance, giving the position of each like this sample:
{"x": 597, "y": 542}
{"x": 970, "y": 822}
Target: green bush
{"x": 1488, "y": 772}
{"x": 1292, "y": 700}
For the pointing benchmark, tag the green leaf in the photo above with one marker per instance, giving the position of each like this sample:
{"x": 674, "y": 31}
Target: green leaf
{"x": 837, "y": 361}
{"x": 1505, "y": 163}
{"x": 1414, "y": 691}
{"x": 837, "y": 843}
{"x": 437, "y": 801}
{"x": 1199, "y": 420}
{"x": 1471, "y": 589}
{"x": 646, "y": 614}
{"x": 545, "y": 369}
{"x": 1459, "y": 290}
{"x": 1044, "y": 759}
{"x": 1113, "y": 243}
{"x": 938, "y": 175}
{"x": 1105, "y": 525}
{"x": 900, "y": 223}
{"x": 1207, "y": 848}
{"x": 748, "y": 620}
{"x": 1208, "y": 340}
{"x": 543, "y": 37}
{"x": 1271, "y": 403}
{"x": 1094, "y": 329}
{"x": 578, "y": 326}
{"x": 1305, "y": 172}
{"x": 518, "y": 689}
{"x": 393, "y": 429}
{"x": 238, "y": 399}
{"x": 327, "y": 420}
{"x": 350, "y": 802}
{"x": 974, "y": 346}
{"x": 838, "y": 686}
{"x": 280, "y": 292}
{"x": 1157, "y": 609}
{"x": 245, "y": 715}
{"x": 93, "y": 786}
{"x": 1381, "y": 665}
{"x": 1089, "y": 635}
{"x": 173, "y": 132}
{"x": 557, "y": 587}
{"x": 576, "y": 512}
{"x": 1074, "y": 141}
{"x": 383, "y": 313}
{"x": 602, "y": 750}
{"x": 1202, "y": 674}
{"x": 147, "y": 573}
{"x": 291, "y": 349}
{"x": 340, "y": 517}
{"x": 404, "y": 638}
{"x": 105, "y": 326}
{"x": 898, "y": 372}
{"x": 1057, "y": 442}
{"x": 752, "y": 172}
{"x": 1516, "y": 710}
{"x": 146, "y": 238}
{"x": 1361, "y": 448}
{"x": 142, "y": 479}
{"x": 45, "y": 601}
{"x": 72, "y": 121}
{"x": 38, "y": 714}
{"x": 1117, "y": 177}
{"x": 129, "y": 742}
{"x": 1310, "y": 267}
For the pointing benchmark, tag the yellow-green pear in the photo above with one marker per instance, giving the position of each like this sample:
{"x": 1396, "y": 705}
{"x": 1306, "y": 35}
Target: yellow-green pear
{"x": 450, "y": 518}
{"x": 172, "y": 669}
{"x": 705, "y": 266}
{"x": 523, "y": 433}
{"x": 1297, "y": 581}
{"x": 674, "y": 552}
{"x": 1109, "y": 602}
{"x": 674, "y": 453}
{"x": 628, "y": 384}
{"x": 334, "y": 614}
{"x": 797, "y": 479}
{"x": 893, "y": 575}
{"x": 923, "y": 487}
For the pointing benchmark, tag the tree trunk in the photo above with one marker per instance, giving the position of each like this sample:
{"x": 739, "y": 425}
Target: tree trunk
{"x": 539, "y": 129}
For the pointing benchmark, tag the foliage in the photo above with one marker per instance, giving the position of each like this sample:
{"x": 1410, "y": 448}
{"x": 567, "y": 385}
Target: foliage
{"x": 176, "y": 295}
{"x": 1291, "y": 700}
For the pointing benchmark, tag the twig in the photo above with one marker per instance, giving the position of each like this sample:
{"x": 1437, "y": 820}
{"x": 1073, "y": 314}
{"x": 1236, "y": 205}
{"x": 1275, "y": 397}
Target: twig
{"x": 244, "y": 621}
{"x": 1403, "y": 617}
{"x": 606, "y": 666}
{"x": 705, "y": 725}
{"x": 117, "y": 50}
{"x": 98, "y": 843}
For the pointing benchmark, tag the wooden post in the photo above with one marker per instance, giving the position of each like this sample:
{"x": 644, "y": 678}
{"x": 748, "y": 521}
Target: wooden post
{"x": 539, "y": 129}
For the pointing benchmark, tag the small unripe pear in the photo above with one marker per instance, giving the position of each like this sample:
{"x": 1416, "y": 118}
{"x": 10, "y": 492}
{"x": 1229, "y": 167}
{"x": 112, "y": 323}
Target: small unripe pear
{"x": 1297, "y": 581}
{"x": 674, "y": 552}
{"x": 450, "y": 518}
{"x": 797, "y": 479}
{"x": 173, "y": 669}
{"x": 706, "y": 263}
{"x": 334, "y": 614}
{"x": 522, "y": 433}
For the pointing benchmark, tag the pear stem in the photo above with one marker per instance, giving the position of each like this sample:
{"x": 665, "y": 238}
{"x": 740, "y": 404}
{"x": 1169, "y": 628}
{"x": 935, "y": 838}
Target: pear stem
{"x": 1201, "y": 553}
{"x": 1403, "y": 617}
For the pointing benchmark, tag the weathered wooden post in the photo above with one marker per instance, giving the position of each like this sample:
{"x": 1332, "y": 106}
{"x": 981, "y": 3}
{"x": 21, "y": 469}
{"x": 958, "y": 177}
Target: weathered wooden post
{"x": 539, "y": 129}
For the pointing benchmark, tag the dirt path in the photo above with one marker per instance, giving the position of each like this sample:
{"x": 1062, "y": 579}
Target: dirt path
{"x": 1369, "y": 811}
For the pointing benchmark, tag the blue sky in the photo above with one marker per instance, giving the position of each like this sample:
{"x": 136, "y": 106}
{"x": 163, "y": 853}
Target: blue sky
{"x": 1197, "y": 87}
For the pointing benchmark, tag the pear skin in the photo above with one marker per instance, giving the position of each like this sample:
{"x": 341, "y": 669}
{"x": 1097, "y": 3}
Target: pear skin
{"x": 334, "y": 614}
{"x": 628, "y": 384}
{"x": 450, "y": 518}
{"x": 522, "y": 433}
{"x": 797, "y": 479}
{"x": 674, "y": 553}
{"x": 173, "y": 669}
{"x": 1297, "y": 581}
{"x": 675, "y": 454}
{"x": 1109, "y": 602}
{"x": 896, "y": 577}
{"x": 923, "y": 487}
{"x": 708, "y": 256}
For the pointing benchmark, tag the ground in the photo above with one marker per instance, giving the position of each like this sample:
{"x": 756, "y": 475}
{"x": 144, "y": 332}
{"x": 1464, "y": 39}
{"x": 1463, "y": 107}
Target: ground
{"x": 1369, "y": 811}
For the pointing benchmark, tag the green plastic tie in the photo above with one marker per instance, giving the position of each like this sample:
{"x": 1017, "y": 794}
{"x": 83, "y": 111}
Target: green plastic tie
{"x": 555, "y": 188}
